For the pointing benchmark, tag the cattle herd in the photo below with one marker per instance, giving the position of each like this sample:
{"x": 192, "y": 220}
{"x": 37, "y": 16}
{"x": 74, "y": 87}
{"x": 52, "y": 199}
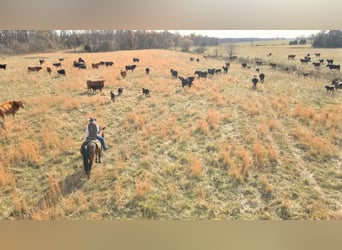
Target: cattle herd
{"x": 185, "y": 81}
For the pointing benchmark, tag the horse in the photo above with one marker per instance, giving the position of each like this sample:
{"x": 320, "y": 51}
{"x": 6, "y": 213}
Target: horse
{"x": 90, "y": 152}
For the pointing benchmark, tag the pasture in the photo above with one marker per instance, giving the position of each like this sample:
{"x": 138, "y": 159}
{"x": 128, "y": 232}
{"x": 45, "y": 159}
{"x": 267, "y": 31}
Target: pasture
{"x": 216, "y": 150}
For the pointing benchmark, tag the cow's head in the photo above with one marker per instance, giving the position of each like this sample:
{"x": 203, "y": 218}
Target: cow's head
{"x": 19, "y": 104}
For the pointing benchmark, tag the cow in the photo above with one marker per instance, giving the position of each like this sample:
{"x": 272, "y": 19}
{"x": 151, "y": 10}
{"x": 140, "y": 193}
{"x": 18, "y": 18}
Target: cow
{"x": 10, "y": 108}
{"x": 225, "y": 69}
{"x": 135, "y": 59}
{"x": 197, "y": 59}
{"x": 81, "y": 60}
{"x": 147, "y": 70}
{"x": 120, "y": 91}
{"x": 61, "y": 59}
{"x": 95, "y": 84}
{"x": 201, "y": 74}
{"x": 269, "y": 54}
{"x": 61, "y": 72}
{"x": 80, "y": 65}
{"x": 337, "y": 84}
{"x": 95, "y": 65}
{"x": 112, "y": 96}
{"x": 123, "y": 73}
{"x": 57, "y": 65}
{"x": 329, "y": 88}
{"x": 131, "y": 67}
{"x": 316, "y": 64}
{"x": 34, "y": 69}
{"x": 244, "y": 65}
{"x": 305, "y": 74}
{"x": 258, "y": 61}
{"x": 304, "y": 60}
{"x": 3, "y": 66}
{"x": 262, "y": 77}
{"x": 291, "y": 57}
{"x": 41, "y": 61}
{"x": 330, "y": 61}
{"x": 187, "y": 81}
{"x": 109, "y": 63}
{"x": 174, "y": 73}
{"x": 49, "y": 70}
{"x": 334, "y": 66}
{"x": 273, "y": 65}
{"x": 211, "y": 71}
{"x": 318, "y": 54}
{"x": 146, "y": 92}
{"x": 255, "y": 81}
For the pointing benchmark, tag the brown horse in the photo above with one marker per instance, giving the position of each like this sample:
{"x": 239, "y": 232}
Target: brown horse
{"x": 90, "y": 152}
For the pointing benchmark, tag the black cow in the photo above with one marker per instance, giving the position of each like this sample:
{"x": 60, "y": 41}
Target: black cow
{"x": 79, "y": 65}
{"x": 316, "y": 64}
{"x": 49, "y": 70}
{"x": 174, "y": 73}
{"x": 273, "y": 65}
{"x": 305, "y": 74}
{"x": 120, "y": 91}
{"x": 304, "y": 60}
{"x": 334, "y": 66}
{"x": 2, "y": 66}
{"x": 262, "y": 77}
{"x": 34, "y": 69}
{"x": 318, "y": 54}
{"x": 57, "y": 65}
{"x": 147, "y": 70}
{"x": 291, "y": 57}
{"x": 109, "y": 63}
{"x": 255, "y": 81}
{"x": 146, "y": 92}
{"x": 330, "y": 61}
{"x": 135, "y": 59}
{"x": 201, "y": 74}
{"x": 95, "y": 65}
{"x": 225, "y": 69}
{"x": 187, "y": 81}
{"x": 61, "y": 59}
{"x": 61, "y": 72}
{"x": 329, "y": 88}
{"x": 131, "y": 67}
{"x": 41, "y": 61}
{"x": 112, "y": 96}
{"x": 244, "y": 65}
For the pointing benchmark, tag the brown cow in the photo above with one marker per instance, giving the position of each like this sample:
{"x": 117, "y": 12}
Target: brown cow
{"x": 95, "y": 84}
{"x": 10, "y": 107}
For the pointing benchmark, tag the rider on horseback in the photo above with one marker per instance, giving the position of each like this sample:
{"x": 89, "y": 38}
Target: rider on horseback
{"x": 92, "y": 133}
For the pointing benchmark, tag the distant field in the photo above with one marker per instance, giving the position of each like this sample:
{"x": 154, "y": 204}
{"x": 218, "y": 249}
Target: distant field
{"x": 217, "y": 150}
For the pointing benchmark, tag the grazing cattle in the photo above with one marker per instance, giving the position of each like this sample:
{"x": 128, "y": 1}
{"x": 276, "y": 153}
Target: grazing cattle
{"x": 41, "y": 61}
{"x": 329, "y": 88}
{"x": 80, "y": 60}
{"x": 269, "y": 54}
{"x": 334, "y": 66}
{"x": 61, "y": 59}
{"x": 10, "y": 108}
{"x": 95, "y": 65}
{"x": 57, "y": 65}
{"x": 258, "y": 61}
{"x": 147, "y": 70}
{"x": 244, "y": 65}
{"x": 123, "y": 73}
{"x": 255, "y": 81}
{"x": 34, "y": 69}
{"x": 337, "y": 84}
{"x": 318, "y": 54}
{"x": 174, "y": 73}
{"x": 2, "y": 66}
{"x": 225, "y": 69}
{"x": 192, "y": 59}
{"x": 112, "y": 96}
{"x": 201, "y": 74}
{"x": 291, "y": 57}
{"x": 305, "y": 74}
{"x": 108, "y": 64}
{"x": 187, "y": 81}
{"x": 146, "y": 92}
{"x": 79, "y": 65}
{"x": 262, "y": 77}
{"x": 197, "y": 59}
{"x": 61, "y": 72}
{"x": 211, "y": 71}
{"x": 95, "y": 85}
{"x": 330, "y": 61}
{"x": 135, "y": 59}
{"x": 321, "y": 61}
{"x": 120, "y": 91}
{"x": 131, "y": 67}
{"x": 49, "y": 70}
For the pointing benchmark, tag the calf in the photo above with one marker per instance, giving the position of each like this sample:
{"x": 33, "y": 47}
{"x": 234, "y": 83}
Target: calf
{"x": 57, "y": 65}
{"x": 10, "y": 108}
{"x": 147, "y": 70}
{"x": 329, "y": 88}
{"x": 41, "y": 61}
{"x": 225, "y": 69}
{"x": 34, "y": 69}
{"x": 120, "y": 91}
{"x": 112, "y": 96}
{"x": 123, "y": 73}
{"x": 174, "y": 73}
{"x": 2, "y": 66}
{"x": 330, "y": 61}
{"x": 49, "y": 70}
{"x": 262, "y": 77}
{"x": 146, "y": 92}
{"x": 135, "y": 59}
{"x": 109, "y": 64}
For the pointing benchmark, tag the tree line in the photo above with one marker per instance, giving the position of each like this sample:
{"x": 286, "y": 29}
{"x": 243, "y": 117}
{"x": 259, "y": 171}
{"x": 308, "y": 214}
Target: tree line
{"x": 30, "y": 41}
{"x": 328, "y": 39}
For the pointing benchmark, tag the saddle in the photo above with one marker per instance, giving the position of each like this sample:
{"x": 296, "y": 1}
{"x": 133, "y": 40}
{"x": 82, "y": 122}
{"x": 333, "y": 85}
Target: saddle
{"x": 97, "y": 143}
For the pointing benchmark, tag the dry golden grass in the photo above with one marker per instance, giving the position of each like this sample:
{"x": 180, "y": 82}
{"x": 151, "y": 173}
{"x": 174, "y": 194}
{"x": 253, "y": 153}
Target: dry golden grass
{"x": 187, "y": 153}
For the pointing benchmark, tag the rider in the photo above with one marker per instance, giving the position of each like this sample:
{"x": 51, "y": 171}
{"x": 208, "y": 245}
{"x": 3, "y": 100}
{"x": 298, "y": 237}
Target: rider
{"x": 92, "y": 133}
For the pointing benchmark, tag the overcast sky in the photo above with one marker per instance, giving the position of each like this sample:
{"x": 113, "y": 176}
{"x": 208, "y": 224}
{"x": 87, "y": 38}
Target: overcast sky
{"x": 249, "y": 33}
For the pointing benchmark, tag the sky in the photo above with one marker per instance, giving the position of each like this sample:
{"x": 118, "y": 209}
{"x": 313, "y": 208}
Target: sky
{"x": 249, "y": 33}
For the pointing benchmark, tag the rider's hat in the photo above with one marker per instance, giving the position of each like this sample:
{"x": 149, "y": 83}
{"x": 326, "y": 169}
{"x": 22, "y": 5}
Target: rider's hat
{"x": 91, "y": 119}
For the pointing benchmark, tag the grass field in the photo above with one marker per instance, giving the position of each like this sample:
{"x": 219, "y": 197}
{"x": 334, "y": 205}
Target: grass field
{"x": 218, "y": 150}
